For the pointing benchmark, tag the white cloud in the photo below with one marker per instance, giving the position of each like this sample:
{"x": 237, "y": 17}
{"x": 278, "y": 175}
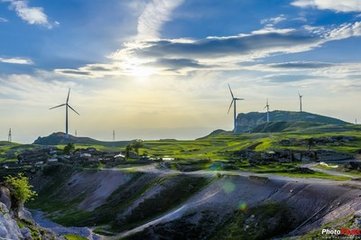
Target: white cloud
{"x": 23, "y": 61}
{"x": 155, "y": 14}
{"x": 31, "y": 15}
{"x": 334, "y": 5}
{"x": 182, "y": 56}
{"x": 3, "y": 20}
{"x": 345, "y": 31}
{"x": 270, "y": 22}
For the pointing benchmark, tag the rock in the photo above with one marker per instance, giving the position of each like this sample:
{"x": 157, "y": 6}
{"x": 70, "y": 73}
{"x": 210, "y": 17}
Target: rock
{"x": 357, "y": 222}
{"x": 25, "y": 215}
{"x": 3, "y": 208}
{"x": 9, "y": 229}
{"x": 5, "y": 196}
{"x": 358, "y": 214}
{"x": 26, "y": 233}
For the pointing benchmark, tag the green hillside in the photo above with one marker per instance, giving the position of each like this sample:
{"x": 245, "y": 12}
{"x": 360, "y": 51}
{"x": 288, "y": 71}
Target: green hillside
{"x": 284, "y": 121}
{"x": 61, "y": 139}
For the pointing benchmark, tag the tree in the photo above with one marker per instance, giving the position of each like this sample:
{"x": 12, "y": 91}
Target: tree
{"x": 69, "y": 148}
{"x": 20, "y": 189}
{"x": 128, "y": 149}
{"x": 137, "y": 144}
{"x": 310, "y": 143}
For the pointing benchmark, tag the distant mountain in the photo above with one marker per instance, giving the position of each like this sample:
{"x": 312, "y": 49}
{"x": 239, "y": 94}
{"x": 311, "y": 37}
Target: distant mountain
{"x": 61, "y": 138}
{"x": 281, "y": 120}
{"x": 216, "y": 133}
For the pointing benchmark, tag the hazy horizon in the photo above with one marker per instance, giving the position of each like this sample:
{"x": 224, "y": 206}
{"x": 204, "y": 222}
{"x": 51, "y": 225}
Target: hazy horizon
{"x": 153, "y": 69}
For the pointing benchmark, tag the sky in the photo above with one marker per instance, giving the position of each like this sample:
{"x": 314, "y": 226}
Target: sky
{"x": 153, "y": 69}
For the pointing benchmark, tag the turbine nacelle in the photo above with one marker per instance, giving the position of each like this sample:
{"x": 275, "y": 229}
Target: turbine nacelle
{"x": 267, "y": 106}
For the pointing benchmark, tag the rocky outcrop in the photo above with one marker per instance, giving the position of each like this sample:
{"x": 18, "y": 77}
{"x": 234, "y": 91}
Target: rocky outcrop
{"x": 9, "y": 229}
{"x": 281, "y": 120}
{"x": 20, "y": 224}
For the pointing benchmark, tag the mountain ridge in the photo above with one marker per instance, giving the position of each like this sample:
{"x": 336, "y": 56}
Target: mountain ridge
{"x": 248, "y": 122}
{"x": 61, "y": 138}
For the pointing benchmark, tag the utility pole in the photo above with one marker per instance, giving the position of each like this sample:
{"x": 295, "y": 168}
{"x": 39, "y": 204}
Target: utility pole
{"x": 10, "y": 136}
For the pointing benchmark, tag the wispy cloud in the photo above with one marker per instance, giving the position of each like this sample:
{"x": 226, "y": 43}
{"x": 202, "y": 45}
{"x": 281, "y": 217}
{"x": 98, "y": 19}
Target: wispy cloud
{"x": 31, "y": 15}
{"x": 23, "y": 61}
{"x": 270, "y": 22}
{"x": 3, "y": 20}
{"x": 301, "y": 65}
{"x": 155, "y": 14}
{"x": 338, "y": 6}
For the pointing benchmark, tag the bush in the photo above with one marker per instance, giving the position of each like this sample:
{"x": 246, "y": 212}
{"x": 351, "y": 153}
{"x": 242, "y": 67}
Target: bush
{"x": 69, "y": 148}
{"x": 20, "y": 188}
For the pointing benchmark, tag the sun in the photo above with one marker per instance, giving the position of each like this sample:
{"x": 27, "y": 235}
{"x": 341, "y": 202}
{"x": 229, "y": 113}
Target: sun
{"x": 141, "y": 71}
{"x": 138, "y": 68}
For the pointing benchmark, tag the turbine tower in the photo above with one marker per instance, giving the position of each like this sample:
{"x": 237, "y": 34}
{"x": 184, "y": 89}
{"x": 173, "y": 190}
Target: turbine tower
{"x": 267, "y": 107}
{"x": 234, "y": 103}
{"x": 67, "y": 106}
{"x": 113, "y": 135}
{"x": 300, "y": 97}
{"x": 10, "y": 136}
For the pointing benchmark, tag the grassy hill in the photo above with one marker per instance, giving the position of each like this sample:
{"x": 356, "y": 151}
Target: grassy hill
{"x": 61, "y": 139}
{"x": 283, "y": 120}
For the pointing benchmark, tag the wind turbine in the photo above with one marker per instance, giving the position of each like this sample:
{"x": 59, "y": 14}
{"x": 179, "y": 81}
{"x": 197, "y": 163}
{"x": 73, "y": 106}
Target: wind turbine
{"x": 234, "y": 103}
{"x": 300, "y": 96}
{"x": 267, "y": 107}
{"x": 67, "y": 106}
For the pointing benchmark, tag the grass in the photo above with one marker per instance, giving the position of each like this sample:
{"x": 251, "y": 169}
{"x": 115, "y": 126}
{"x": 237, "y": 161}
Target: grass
{"x": 317, "y": 175}
{"x": 262, "y": 222}
{"x": 345, "y": 222}
{"x": 219, "y": 147}
{"x": 74, "y": 237}
{"x": 288, "y": 170}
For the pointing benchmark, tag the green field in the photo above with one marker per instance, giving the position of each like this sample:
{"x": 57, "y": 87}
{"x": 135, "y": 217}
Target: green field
{"x": 221, "y": 147}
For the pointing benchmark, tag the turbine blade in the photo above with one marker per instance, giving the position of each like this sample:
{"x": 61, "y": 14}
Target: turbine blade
{"x": 61, "y": 105}
{"x": 230, "y": 106}
{"x": 67, "y": 99}
{"x": 73, "y": 109}
{"x": 230, "y": 91}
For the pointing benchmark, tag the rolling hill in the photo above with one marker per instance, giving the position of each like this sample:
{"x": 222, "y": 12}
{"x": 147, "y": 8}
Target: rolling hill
{"x": 61, "y": 138}
{"x": 284, "y": 120}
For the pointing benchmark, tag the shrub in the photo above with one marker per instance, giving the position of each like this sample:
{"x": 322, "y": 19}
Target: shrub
{"x": 69, "y": 148}
{"x": 20, "y": 188}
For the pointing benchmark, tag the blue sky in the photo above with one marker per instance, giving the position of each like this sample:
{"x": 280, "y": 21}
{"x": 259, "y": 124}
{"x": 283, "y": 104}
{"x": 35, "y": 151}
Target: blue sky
{"x": 159, "y": 69}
